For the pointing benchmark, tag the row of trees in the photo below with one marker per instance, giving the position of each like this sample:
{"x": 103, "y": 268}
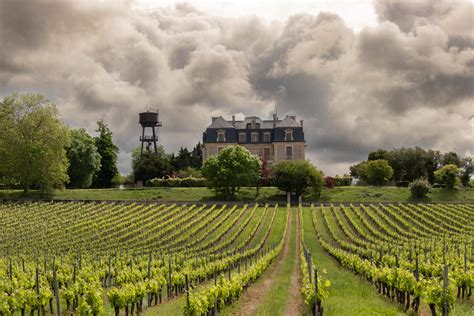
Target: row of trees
{"x": 405, "y": 165}
{"x": 39, "y": 151}
{"x": 235, "y": 167}
{"x": 151, "y": 165}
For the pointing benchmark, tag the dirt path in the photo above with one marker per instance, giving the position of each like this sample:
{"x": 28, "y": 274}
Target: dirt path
{"x": 251, "y": 298}
{"x": 295, "y": 300}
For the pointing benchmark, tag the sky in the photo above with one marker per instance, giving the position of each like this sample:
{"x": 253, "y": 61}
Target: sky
{"x": 362, "y": 74}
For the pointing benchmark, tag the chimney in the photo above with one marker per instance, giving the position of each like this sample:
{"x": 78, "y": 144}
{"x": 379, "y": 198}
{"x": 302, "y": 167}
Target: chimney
{"x": 275, "y": 118}
{"x": 233, "y": 120}
{"x": 214, "y": 118}
{"x": 292, "y": 117}
{"x": 301, "y": 123}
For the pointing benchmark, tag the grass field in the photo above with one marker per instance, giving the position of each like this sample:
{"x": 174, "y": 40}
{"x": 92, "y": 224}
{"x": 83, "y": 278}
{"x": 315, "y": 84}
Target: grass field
{"x": 341, "y": 194}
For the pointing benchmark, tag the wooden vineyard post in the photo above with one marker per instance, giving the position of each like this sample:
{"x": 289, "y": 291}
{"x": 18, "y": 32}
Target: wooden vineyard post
{"x": 37, "y": 284}
{"x": 148, "y": 276}
{"x": 170, "y": 292}
{"x": 56, "y": 289}
{"x": 187, "y": 290}
{"x": 288, "y": 198}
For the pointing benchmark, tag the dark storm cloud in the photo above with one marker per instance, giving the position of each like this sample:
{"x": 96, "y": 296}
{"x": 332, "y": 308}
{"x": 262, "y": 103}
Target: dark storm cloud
{"x": 407, "y": 81}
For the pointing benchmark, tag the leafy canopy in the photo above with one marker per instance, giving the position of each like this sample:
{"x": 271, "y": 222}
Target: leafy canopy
{"x": 32, "y": 142}
{"x": 297, "y": 176}
{"x": 378, "y": 172}
{"x": 234, "y": 167}
{"x": 448, "y": 175}
{"x": 84, "y": 160}
{"x": 108, "y": 172}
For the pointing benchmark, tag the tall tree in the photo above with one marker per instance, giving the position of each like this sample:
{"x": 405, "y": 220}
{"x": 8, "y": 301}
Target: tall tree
{"x": 84, "y": 160}
{"x": 182, "y": 160}
{"x": 234, "y": 167}
{"x": 451, "y": 158}
{"x": 150, "y": 165}
{"x": 108, "y": 152}
{"x": 32, "y": 142}
{"x": 467, "y": 167}
{"x": 196, "y": 156}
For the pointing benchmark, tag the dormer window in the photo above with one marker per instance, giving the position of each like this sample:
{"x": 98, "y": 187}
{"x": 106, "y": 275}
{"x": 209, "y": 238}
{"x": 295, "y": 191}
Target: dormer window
{"x": 288, "y": 135}
{"x": 266, "y": 137}
{"x": 254, "y": 137}
{"x": 242, "y": 137}
{"x": 221, "y": 136}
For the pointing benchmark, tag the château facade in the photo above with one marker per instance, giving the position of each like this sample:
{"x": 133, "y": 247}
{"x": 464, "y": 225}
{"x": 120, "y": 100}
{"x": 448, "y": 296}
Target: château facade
{"x": 272, "y": 140}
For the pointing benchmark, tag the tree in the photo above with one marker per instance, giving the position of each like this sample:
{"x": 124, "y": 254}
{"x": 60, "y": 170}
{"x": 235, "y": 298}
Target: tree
{"x": 32, "y": 142}
{"x": 182, "y": 160}
{"x": 359, "y": 171}
{"x": 378, "y": 172}
{"x": 448, "y": 175}
{"x": 419, "y": 188}
{"x": 451, "y": 158}
{"x": 298, "y": 177}
{"x": 234, "y": 167}
{"x": 151, "y": 165}
{"x": 104, "y": 177}
{"x": 467, "y": 170}
{"x": 196, "y": 156}
{"x": 84, "y": 160}
{"x": 377, "y": 155}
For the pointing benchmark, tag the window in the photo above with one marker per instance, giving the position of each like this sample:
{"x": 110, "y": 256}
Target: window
{"x": 288, "y": 134}
{"x": 242, "y": 137}
{"x": 289, "y": 152}
{"x": 266, "y": 153}
{"x": 221, "y": 136}
{"x": 254, "y": 137}
{"x": 266, "y": 137}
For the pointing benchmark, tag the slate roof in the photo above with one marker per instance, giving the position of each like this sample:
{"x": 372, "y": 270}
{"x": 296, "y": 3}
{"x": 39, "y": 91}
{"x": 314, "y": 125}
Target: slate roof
{"x": 288, "y": 121}
{"x": 220, "y": 122}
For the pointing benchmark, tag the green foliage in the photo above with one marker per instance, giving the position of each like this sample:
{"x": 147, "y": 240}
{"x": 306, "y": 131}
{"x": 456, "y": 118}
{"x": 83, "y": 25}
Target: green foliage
{"x": 467, "y": 170}
{"x": 32, "y": 142}
{"x": 419, "y": 188}
{"x": 378, "y": 172}
{"x": 359, "y": 171}
{"x": 150, "y": 165}
{"x": 177, "y": 182}
{"x": 298, "y": 177}
{"x": 108, "y": 152}
{"x": 342, "y": 181}
{"x": 448, "y": 176}
{"x": 234, "y": 167}
{"x": 190, "y": 172}
{"x": 451, "y": 158}
{"x": 84, "y": 160}
{"x": 377, "y": 155}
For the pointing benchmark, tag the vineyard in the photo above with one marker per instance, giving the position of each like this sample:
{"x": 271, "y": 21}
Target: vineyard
{"x": 133, "y": 258}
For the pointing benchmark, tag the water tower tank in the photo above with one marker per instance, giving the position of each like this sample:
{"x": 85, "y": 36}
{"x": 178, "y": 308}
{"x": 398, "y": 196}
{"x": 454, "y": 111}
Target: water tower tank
{"x": 148, "y": 119}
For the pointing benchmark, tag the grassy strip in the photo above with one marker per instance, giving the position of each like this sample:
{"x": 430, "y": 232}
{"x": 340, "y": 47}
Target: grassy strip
{"x": 275, "y": 300}
{"x": 348, "y": 294}
{"x": 340, "y": 194}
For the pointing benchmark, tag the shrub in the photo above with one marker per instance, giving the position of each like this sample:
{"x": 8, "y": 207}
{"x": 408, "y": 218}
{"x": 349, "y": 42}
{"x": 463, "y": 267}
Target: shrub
{"x": 448, "y": 176}
{"x": 342, "y": 181}
{"x": 402, "y": 184}
{"x": 234, "y": 167}
{"x": 329, "y": 182}
{"x": 177, "y": 182}
{"x": 297, "y": 177}
{"x": 378, "y": 172}
{"x": 419, "y": 188}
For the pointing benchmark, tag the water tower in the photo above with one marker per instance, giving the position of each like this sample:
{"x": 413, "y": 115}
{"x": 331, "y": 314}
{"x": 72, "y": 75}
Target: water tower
{"x": 149, "y": 119}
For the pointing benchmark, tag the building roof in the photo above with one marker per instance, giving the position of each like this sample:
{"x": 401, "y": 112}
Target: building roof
{"x": 220, "y": 122}
{"x": 288, "y": 121}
